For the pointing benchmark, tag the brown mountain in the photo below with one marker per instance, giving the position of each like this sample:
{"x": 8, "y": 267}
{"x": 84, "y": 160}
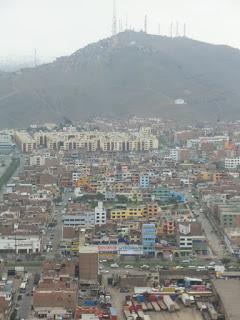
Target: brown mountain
{"x": 128, "y": 74}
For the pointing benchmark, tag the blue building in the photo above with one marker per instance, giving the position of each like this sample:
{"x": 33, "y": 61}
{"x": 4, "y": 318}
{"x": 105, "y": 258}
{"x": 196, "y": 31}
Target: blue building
{"x": 148, "y": 239}
{"x": 144, "y": 181}
{"x": 165, "y": 195}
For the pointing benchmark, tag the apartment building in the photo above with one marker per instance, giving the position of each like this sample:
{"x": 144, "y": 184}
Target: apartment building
{"x": 84, "y": 220}
{"x": 100, "y": 214}
{"x": 126, "y": 213}
{"x": 191, "y": 239}
{"x": 6, "y": 143}
{"x": 148, "y": 239}
{"x": 89, "y": 141}
{"x": 232, "y": 163}
{"x": 25, "y": 141}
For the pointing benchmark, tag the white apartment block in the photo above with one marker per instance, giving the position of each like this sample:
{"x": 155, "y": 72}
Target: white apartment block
{"x": 37, "y": 160}
{"x": 232, "y": 163}
{"x": 100, "y": 214}
{"x": 89, "y": 141}
{"x": 174, "y": 154}
{"x": 83, "y": 220}
{"x": 26, "y": 142}
{"x": 76, "y": 176}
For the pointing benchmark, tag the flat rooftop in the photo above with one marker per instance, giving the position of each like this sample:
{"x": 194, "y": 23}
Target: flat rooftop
{"x": 88, "y": 249}
{"x": 229, "y": 293}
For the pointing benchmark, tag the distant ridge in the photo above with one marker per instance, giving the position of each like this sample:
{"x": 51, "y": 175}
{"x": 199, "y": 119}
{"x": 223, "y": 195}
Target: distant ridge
{"x": 131, "y": 73}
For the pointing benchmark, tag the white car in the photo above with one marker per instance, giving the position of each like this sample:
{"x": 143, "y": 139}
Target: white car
{"x": 105, "y": 271}
{"x": 114, "y": 265}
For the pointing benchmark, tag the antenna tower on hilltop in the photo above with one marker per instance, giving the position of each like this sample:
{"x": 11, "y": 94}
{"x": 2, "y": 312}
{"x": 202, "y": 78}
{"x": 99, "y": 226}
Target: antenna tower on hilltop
{"x": 177, "y": 31}
{"x": 171, "y": 30}
{"x": 35, "y": 58}
{"x": 146, "y": 24}
{"x": 114, "y": 22}
{"x": 184, "y": 30}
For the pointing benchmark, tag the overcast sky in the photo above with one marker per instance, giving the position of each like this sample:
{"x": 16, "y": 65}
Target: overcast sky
{"x": 59, "y": 27}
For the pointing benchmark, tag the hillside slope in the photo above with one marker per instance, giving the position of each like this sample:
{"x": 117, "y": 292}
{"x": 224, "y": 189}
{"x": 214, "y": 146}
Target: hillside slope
{"x": 128, "y": 74}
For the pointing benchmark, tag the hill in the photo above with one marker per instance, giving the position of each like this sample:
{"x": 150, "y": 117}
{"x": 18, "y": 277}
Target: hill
{"x": 128, "y": 74}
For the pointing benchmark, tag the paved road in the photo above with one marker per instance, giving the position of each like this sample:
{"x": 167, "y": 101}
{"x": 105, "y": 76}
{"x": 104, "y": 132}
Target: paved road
{"x": 54, "y": 234}
{"x": 26, "y": 303}
{"x": 214, "y": 240}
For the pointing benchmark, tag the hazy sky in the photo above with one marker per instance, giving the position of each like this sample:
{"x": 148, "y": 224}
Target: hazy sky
{"x": 59, "y": 27}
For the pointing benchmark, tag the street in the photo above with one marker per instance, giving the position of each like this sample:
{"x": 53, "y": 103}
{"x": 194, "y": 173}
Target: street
{"x": 26, "y": 303}
{"x": 214, "y": 240}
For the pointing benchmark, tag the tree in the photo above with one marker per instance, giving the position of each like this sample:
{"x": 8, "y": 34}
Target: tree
{"x": 122, "y": 199}
{"x": 225, "y": 260}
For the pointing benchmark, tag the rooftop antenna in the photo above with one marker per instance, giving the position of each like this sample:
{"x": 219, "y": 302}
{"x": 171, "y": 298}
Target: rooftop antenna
{"x": 145, "y": 24}
{"x": 159, "y": 29}
{"x": 114, "y": 22}
{"x": 35, "y": 58}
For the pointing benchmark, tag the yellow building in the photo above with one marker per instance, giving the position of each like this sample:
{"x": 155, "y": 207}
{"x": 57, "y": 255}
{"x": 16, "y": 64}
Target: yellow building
{"x": 204, "y": 176}
{"x": 83, "y": 181}
{"x": 127, "y": 213}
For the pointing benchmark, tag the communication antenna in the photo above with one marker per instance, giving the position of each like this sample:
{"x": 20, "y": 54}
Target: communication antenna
{"x": 114, "y": 22}
{"x": 171, "y": 30}
{"x": 177, "y": 29}
{"x": 159, "y": 29}
{"x": 146, "y": 24}
{"x": 126, "y": 23}
{"x": 119, "y": 25}
{"x": 35, "y": 58}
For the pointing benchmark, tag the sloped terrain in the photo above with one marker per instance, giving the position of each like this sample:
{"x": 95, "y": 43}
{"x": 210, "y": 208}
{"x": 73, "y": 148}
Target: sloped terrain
{"x": 128, "y": 74}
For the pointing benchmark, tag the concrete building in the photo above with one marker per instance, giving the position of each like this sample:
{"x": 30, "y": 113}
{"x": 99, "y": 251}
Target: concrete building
{"x": 37, "y": 160}
{"x": 84, "y": 220}
{"x": 228, "y": 293}
{"x": 20, "y": 244}
{"x": 26, "y": 143}
{"x": 232, "y": 163}
{"x": 191, "y": 239}
{"x": 88, "y": 264}
{"x": 126, "y": 213}
{"x": 100, "y": 214}
{"x": 76, "y": 176}
{"x": 144, "y": 181}
{"x": 174, "y": 154}
{"x": 148, "y": 239}
{"x": 6, "y": 144}
{"x": 93, "y": 141}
